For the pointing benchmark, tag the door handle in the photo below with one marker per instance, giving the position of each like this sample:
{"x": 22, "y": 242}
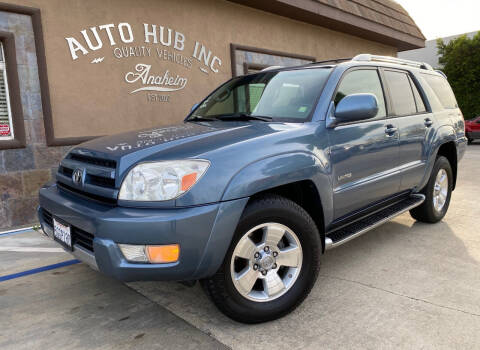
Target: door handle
{"x": 428, "y": 122}
{"x": 390, "y": 130}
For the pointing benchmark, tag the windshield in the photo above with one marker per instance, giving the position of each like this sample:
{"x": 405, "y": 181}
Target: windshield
{"x": 284, "y": 96}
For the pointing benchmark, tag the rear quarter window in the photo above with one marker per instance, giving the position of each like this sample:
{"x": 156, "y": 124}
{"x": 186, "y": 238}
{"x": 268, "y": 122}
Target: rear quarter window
{"x": 442, "y": 90}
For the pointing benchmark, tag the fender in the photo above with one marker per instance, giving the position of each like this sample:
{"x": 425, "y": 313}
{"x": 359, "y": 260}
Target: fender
{"x": 443, "y": 134}
{"x": 282, "y": 169}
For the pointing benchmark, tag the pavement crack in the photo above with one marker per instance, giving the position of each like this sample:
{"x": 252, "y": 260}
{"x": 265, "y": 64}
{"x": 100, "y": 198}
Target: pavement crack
{"x": 401, "y": 295}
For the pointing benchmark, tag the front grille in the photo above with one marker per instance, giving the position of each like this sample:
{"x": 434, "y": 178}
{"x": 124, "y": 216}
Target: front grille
{"x": 79, "y": 236}
{"x": 65, "y": 171}
{"x": 107, "y": 163}
{"x": 101, "y": 181}
{"x": 98, "y": 182}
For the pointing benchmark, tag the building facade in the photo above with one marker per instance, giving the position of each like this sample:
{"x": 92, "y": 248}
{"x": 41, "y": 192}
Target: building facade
{"x": 429, "y": 53}
{"x": 72, "y": 70}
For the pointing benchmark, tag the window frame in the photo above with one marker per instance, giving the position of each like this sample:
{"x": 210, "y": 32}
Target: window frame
{"x": 382, "y": 85}
{"x": 15, "y": 104}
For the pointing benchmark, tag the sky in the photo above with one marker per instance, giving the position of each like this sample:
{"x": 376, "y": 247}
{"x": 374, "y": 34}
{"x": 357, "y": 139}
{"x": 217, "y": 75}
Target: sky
{"x": 441, "y": 18}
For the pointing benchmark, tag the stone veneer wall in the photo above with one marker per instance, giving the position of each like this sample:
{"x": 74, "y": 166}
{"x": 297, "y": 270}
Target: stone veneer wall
{"x": 24, "y": 170}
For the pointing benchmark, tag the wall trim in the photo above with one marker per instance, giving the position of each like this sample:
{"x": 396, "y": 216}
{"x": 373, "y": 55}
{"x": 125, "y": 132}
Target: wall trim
{"x": 18, "y": 141}
{"x": 234, "y": 47}
{"x": 36, "y": 17}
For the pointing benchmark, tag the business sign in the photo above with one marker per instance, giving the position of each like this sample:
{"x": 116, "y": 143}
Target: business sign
{"x": 155, "y": 41}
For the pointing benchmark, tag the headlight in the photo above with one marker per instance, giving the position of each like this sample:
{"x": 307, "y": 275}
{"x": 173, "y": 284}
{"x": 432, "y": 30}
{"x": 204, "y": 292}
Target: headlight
{"x": 161, "y": 181}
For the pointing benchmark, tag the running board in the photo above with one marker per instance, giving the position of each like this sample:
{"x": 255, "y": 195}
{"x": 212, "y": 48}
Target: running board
{"x": 358, "y": 228}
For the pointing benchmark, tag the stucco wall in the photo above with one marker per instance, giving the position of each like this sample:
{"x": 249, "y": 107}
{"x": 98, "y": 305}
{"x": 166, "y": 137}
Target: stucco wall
{"x": 90, "y": 99}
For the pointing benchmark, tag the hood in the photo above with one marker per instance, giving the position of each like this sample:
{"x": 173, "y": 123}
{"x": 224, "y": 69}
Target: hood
{"x": 185, "y": 140}
{"x": 119, "y": 145}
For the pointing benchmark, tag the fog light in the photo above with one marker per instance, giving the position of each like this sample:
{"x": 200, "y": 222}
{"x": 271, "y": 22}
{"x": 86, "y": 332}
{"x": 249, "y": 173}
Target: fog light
{"x": 157, "y": 254}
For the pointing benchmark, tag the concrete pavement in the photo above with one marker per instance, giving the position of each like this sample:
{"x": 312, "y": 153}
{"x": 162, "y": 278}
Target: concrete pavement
{"x": 75, "y": 307}
{"x": 402, "y": 285}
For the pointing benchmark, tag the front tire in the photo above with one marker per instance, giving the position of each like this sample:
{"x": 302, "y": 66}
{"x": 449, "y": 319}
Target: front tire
{"x": 438, "y": 192}
{"x": 271, "y": 265}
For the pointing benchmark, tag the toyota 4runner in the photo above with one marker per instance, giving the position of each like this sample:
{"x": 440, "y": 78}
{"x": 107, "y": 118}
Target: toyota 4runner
{"x": 264, "y": 175}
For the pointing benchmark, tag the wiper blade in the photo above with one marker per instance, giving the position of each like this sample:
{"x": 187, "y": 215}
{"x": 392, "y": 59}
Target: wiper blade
{"x": 243, "y": 116}
{"x": 199, "y": 118}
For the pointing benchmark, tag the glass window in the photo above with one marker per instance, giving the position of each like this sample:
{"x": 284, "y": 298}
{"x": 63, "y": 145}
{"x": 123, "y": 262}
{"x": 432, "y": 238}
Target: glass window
{"x": 362, "y": 81}
{"x": 6, "y": 129}
{"x": 442, "y": 89}
{"x": 401, "y": 93}
{"x": 289, "y": 95}
{"x": 418, "y": 98}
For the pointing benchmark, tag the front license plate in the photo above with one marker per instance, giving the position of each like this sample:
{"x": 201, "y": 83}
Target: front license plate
{"x": 61, "y": 233}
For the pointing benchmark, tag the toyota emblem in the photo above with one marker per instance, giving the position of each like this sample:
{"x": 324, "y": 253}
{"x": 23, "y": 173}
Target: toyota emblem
{"x": 77, "y": 176}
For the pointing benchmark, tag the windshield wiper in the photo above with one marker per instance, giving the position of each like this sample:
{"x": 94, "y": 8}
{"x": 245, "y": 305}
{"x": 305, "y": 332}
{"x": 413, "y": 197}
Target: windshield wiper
{"x": 199, "y": 118}
{"x": 244, "y": 116}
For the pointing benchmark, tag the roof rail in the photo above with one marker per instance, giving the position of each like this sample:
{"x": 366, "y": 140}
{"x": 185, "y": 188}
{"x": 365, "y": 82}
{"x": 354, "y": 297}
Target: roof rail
{"x": 441, "y": 73}
{"x": 365, "y": 57}
{"x": 335, "y": 60}
{"x": 271, "y": 68}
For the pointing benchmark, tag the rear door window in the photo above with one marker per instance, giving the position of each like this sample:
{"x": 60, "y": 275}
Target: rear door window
{"x": 442, "y": 89}
{"x": 362, "y": 81}
{"x": 401, "y": 93}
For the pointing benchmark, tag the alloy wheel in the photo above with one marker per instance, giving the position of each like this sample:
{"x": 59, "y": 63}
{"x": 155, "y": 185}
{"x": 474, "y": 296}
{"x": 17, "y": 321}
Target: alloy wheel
{"x": 440, "y": 190}
{"x": 266, "y": 262}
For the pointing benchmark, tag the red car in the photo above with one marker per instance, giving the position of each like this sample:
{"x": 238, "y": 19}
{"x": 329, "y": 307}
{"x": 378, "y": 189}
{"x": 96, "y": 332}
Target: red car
{"x": 472, "y": 129}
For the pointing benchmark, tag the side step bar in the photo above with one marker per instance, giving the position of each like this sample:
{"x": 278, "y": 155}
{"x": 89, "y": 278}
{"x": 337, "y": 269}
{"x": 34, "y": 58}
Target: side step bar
{"x": 358, "y": 228}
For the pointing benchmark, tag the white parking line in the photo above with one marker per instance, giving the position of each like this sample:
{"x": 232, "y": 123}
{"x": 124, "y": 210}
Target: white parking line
{"x": 31, "y": 250}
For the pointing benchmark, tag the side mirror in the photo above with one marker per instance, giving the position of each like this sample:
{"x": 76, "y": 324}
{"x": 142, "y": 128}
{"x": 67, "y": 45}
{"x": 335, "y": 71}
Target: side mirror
{"x": 194, "y": 106}
{"x": 356, "y": 107}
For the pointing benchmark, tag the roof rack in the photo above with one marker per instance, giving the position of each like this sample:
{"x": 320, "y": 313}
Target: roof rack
{"x": 365, "y": 57}
{"x": 335, "y": 60}
{"x": 271, "y": 68}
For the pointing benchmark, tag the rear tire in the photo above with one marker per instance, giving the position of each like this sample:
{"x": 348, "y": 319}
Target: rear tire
{"x": 280, "y": 275}
{"x": 470, "y": 141}
{"x": 438, "y": 192}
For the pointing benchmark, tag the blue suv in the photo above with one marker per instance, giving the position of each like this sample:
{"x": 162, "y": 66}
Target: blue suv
{"x": 264, "y": 175}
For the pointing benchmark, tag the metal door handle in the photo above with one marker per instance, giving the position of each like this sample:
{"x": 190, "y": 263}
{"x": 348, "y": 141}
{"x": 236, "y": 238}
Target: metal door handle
{"x": 428, "y": 122}
{"x": 390, "y": 130}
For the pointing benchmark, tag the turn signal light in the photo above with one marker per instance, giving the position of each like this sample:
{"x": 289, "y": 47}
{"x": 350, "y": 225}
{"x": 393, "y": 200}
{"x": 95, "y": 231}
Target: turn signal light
{"x": 161, "y": 254}
{"x": 155, "y": 254}
{"x": 188, "y": 181}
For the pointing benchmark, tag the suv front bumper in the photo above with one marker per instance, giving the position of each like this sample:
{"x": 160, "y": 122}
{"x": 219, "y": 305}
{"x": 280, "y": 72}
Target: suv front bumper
{"x": 203, "y": 232}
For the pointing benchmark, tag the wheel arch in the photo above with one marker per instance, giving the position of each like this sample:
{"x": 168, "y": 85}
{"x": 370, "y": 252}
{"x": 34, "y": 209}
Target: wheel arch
{"x": 443, "y": 143}
{"x": 298, "y": 176}
{"x": 305, "y": 194}
{"x": 449, "y": 151}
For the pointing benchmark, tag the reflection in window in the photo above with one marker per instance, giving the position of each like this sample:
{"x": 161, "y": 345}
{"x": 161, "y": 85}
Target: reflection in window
{"x": 290, "y": 94}
{"x": 362, "y": 81}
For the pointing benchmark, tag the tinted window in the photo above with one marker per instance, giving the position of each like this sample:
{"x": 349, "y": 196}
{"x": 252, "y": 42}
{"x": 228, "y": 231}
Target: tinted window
{"x": 442, "y": 89}
{"x": 362, "y": 81}
{"x": 401, "y": 93}
{"x": 418, "y": 99}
